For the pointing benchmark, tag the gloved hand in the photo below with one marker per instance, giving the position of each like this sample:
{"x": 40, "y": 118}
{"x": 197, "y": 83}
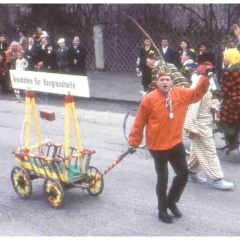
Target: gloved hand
{"x": 132, "y": 149}
{"x": 209, "y": 72}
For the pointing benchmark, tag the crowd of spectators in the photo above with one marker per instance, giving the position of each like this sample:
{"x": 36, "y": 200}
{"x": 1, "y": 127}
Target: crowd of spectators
{"x": 36, "y": 52}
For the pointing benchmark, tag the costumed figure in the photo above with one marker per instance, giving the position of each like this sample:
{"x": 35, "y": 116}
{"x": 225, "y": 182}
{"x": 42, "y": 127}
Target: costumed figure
{"x": 229, "y": 113}
{"x": 199, "y": 123}
{"x": 189, "y": 65}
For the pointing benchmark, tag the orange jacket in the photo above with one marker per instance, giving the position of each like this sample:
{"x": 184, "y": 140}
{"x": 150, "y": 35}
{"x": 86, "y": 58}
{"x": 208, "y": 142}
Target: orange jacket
{"x": 163, "y": 133}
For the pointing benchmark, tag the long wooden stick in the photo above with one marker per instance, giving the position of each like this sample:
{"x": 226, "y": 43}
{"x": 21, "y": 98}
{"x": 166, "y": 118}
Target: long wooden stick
{"x": 163, "y": 64}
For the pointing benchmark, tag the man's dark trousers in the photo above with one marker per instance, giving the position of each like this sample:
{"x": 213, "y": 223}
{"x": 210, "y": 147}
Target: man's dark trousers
{"x": 177, "y": 158}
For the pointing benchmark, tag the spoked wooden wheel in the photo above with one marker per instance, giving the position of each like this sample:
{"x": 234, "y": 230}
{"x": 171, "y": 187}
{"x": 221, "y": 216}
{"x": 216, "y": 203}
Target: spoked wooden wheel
{"x": 21, "y": 181}
{"x": 97, "y": 188}
{"x": 54, "y": 192}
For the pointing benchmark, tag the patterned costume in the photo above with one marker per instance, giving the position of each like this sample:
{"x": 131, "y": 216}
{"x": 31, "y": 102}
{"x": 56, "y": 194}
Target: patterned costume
{"x": 230, "y": 85}
{"x": 203, "y": 154}
{"x": 178, "y": 79}
{"x": 188, "y": 68}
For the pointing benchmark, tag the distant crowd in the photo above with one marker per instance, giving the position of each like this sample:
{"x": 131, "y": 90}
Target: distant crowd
{"x": 36, "y": 53}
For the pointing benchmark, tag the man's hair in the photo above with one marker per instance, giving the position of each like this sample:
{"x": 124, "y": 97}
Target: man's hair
{"x": 165, "y": 38}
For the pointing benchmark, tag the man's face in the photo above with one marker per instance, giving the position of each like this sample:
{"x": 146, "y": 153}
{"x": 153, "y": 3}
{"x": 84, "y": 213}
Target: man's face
{"x": 2, "y": 39}
{"x": 147, "y": 42}
{"x": 184, "y": 58}
{"x": 76, "y": 42}
{"x": 61, "y": 45}
{"x": 43, "y": 40}
{"x": 228, "y": 44}
{"x": 164, "y": 43}
{"x": 30, "y": 40}
{"x": 164, "y": 83}
{"x": 150, "y": 62}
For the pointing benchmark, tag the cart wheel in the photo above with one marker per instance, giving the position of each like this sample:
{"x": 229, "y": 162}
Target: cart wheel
{"x": 21, "y": 182}
{"x": 54, "y": 192}
{"x": 97, "y": 188}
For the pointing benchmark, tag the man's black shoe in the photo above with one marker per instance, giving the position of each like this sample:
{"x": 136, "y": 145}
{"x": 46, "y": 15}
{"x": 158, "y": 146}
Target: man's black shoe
{"x": 165, "y": 217}
{"x": 174, "y": 209}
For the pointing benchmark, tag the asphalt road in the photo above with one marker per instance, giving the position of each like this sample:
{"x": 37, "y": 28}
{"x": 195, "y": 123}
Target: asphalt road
{"x": 127, "y": 206}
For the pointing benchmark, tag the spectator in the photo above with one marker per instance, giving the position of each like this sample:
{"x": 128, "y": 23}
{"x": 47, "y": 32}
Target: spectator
{"x": 3, "y": 74}
{"x": 21, "y": 63}
{"x": 184, "y": 45}
{"x": 199, "y": 123}
{"x": 3, "y": 44}
{"x": 205, "y": 55}
{"x": 39, "y": 34}
{"x": 77, "y": 57}
{"x": 62, "y": 57}
{"x": 31, "y": 54}
{"x": 169, "y": 54}
{"x": 163, "y": 111}
{"x": 50, "y": 60}
{"x": 23, "y": 40}
{"x": 145, "y": 70}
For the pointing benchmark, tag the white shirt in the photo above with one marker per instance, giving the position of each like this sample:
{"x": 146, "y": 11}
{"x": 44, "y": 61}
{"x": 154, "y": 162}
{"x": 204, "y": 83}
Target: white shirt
{"x": 164, "y": 49}
{"x": 21, "y": 64}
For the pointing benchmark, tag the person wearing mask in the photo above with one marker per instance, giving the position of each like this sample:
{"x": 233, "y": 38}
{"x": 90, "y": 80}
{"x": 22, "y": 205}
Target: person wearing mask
{"x": 199, "y": 123}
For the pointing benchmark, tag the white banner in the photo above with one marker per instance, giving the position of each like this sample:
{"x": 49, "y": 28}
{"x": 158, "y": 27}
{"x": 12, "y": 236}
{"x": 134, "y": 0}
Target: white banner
{"x": 50, "y": 83}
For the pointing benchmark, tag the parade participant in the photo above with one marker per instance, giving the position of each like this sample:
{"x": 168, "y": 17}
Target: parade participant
{"x": 189, "y": 65}
{"x": 77, "y": 57}
{"x": 154, "y": 63}
{"x": 62, "y": 57}
{"x": 163, "y": 112}
{"x": 199, "y": 123}
{"x": 143, "y": 68}
{"x": 11, "y": 54}
{"x": 230, "y": 85}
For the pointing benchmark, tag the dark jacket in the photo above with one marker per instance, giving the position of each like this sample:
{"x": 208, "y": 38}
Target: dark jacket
{"x": 3, "y": 47}
{"x": 79, "y": 54}
{"x": 32, "y": 56}
{"x": 146, "y": 71}
{"x": 50, "y": 62}
{"x": 208, "y": 56}
{"x": 171, "y": 56}
{"x": 62, "y": 58}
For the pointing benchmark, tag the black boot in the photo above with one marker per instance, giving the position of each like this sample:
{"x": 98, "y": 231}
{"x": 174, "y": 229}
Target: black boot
{"x": 163, "y": 215}
{"x": 174, "y": 209}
